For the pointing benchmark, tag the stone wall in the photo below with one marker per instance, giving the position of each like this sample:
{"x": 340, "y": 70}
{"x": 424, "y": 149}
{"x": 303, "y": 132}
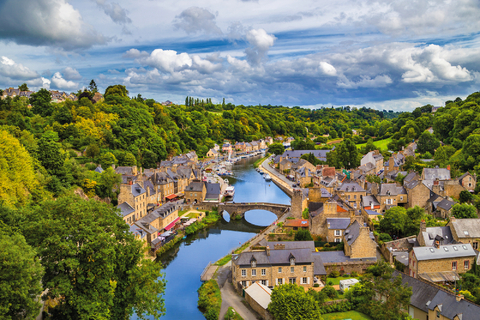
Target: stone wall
{"x": 442, "y": 265}
{"x": 418, "y": 196}
{"x": 363, "y": 247}
{"x": 297, "y": 203}
{"x": 348, "y": 267}
{"x": 400, "y": 245}
{"x": 264, "y": 314}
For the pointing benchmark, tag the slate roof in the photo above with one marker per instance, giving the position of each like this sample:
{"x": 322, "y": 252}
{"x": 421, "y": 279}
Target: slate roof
{"x": 436, "y": 173}
{"x": 373, "y": 213}
{"x": 195, "y": 186}
{"x": 325, "y": 193}
{"x": 367, "y": 201}
{"x": 350, "y": 187}
{"x": 290, "y": 245}
{"x": 391, "y": 189}
{"x": 318, "y": 267}
{"x": 422, "y": 292}
{"x": 444, "y": 252}
{"x": 137, "y": 190}
{"x": 352, "y": 232}
{"x": 276, "y": 159}
{"x": 99, "y": 169}
{"x": 149, "y": 185}
{"x": 319, "y": 154}
{"x": 412, "y": 184}
{"x": 276, "y": 257}
{"x": 213, "y": 190}
{"x": 338, "y": 256}
{"x": 466, "y": 228}
{"x": 338, "y": 223}
{"x": 446, "y": 204}
{"x": 125, "y": 209}
{"x": 124, "y": 170}
{"x": 328, "y": 181}
{"x": 431, "y": 233}
{"x": 450, "y": 307}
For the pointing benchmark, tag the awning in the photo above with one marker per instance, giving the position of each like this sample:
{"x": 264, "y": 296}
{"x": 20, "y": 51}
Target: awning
{"x": 172, "y": 224}
{"x": 172, "y": 196}
{"x": 441, "y": 276}
{"x": 180, "y": 194}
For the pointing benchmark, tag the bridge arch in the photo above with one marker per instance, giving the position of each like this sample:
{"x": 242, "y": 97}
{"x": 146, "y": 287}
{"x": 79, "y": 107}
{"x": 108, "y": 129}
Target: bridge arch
{"x": 239, "y": 209}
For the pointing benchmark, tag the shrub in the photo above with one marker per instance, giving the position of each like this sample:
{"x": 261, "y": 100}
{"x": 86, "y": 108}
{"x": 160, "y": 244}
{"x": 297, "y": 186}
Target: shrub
{"x": 330, "y": 283}
{"x": 210, "y": 299}
{"x": 334, "y": 274}
{"x": 354, "y": 274}
{"x": 330, "y": 292}
{"x": 337, "y": 307}
{"x": 316, "y": 285}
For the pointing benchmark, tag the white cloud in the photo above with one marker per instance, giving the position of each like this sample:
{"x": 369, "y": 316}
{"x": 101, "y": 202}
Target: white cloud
{"x": 60, "y": 83}
{"x": 327, "y": 68}
{"x": 195, "y": 20}
{"x": 53, "y": 23}
{"x": 114, "y": 11}
{"x": 168, "y": 60}
{"x": 70, "y": 73}
{"x": 261, "y": 42}
{"x": 135, "y": 54}
{"x": 15, "y": 71}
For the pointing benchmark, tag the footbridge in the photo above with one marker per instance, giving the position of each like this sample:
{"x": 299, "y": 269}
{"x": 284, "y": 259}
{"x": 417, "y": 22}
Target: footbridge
{"x": 239, "y": 209}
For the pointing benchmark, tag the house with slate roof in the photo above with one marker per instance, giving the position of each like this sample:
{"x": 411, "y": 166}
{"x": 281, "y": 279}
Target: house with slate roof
{"x": 375, "y": 159}
{"x": 280, "y": 263}
{"x": 465, "y": 231}
{"x": 136, "y": 197}
{"x": 213, "y": 193}
{"x": 352, "y": 192}
{"x": 394, "y": 163}
{"x": 429, "y": 301}
{"x": 359, "y": 242}
{"x": 389, "y": 195}
{"x": 441, "y": 263}
{"x": 195, "y": 192}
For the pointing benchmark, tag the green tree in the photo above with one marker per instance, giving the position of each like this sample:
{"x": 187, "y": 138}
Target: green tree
{"x": 379, "y": 282}
{"x": 373, "y": 178}
{"x": 50, "y": 153}
{"x": 427, "y": 143}
{"x": 41, "y": 102}
{"x": 370, "y": 146}
{"x": 23, "y": 87}
{"x": 20, "y": 276}
{"x": 464, "y": 211}
{"x": 276, "y": 148}
{"x": 465, "y": 196}
{"x": 394, "y": 221}
{"x": 93, "y": 86}
{"x": 290, "y": 301}
{"x": 347, "y": 154}
{"x": 107, "y": 182}
{"x": 93, "y": 265}
{"x": 303, "y": 235}
{"x": 107, "y": 159}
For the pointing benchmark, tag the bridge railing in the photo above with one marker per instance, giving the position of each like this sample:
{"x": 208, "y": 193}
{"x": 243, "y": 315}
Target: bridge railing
{"x": 255, "y": 204}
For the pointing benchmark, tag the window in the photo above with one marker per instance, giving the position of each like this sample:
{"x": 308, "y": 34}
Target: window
{"x": 304, "y": 280}
{"x": 304, "y": 269}
{"x": 466, "y": 264}
{"x": 244, "y": 284}
{"x": 292, "y": 261}
{"x": 280, "y": 281}
{"x": 254, "y": 272}
{"x": 413, "y": 263}
{"x": 454, "y": 265}
{"x": 475, "y": 245}
{"x": 264, "y": 282}
{"x": 348, "y": 197}
{"x": 292, "y": 269}
{"x": 244, "y": 273}
{"x": 338, "y": 233}
{"x": 292, "y": 280}
{"x": 338, "y": 240}
{"x": 279, "y": 269}
{"x": 355, "y": 205}
{"x": 355, "y": 197}
{"x": 254, "y": 263}
{"x": 389, "y": 201}
{"x": 264, "y": 272}
{"x": 401, "y": 198}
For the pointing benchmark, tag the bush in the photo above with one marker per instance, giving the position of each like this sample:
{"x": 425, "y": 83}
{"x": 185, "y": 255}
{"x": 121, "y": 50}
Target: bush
{"x": 354, "y": 274}
{"x": 334, "y": 274}
{"x": 337, "y": 307}
{"x": 330, "y": 292}
{"x": 316, "y": 285}
{"x": 210, "y": 299}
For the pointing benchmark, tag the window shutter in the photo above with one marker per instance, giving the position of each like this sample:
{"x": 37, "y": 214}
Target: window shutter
{"x": 308, "y": 280}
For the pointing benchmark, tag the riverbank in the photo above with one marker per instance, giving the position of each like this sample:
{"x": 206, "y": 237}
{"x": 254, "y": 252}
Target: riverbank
{"x": 277, "y": 178}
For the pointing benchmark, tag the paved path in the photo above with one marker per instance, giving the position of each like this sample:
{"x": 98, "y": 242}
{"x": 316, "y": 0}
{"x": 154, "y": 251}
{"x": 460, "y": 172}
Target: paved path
{"x": 275, "y": 173}
{"x": 230, "y": 298}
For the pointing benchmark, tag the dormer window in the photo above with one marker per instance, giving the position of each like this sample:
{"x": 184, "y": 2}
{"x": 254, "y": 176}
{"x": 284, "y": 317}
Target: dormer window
{"x": 292, "y": 261}
{"x": 253, "y": 262}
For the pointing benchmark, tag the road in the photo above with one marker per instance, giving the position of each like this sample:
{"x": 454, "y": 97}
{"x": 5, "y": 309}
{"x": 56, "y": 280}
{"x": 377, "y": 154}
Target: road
{"x": 230, "y": 298}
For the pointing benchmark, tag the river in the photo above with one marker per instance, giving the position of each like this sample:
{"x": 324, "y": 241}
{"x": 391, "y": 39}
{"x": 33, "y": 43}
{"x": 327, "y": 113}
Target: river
{"x": 184, "y": 263}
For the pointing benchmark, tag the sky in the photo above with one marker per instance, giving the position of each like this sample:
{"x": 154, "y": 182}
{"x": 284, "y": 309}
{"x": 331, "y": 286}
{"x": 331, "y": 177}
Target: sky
{"x": 394, "y": 55}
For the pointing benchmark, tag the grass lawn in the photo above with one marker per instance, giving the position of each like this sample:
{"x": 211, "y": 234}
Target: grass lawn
{"x": 354, "y": 315}
{"x": 380, "y": 144}
{"x": 337, "y": 280}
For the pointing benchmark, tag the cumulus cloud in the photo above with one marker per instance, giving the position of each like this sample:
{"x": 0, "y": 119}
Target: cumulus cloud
{"x": 70, "y": 73}
{"x": 46, "y": 23}
{"x": 135, "y": 54}
{"x": 365, "y": 82}
{"x": 260, "y": 43}
{"x": 60, "y": 83}
{"x": 327, "y": 68}
{"x": 15, "y": 71}
{"x": 196, "y": 20}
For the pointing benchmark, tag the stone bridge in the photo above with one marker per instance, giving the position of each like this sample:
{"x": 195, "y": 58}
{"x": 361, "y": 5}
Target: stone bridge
{"x": 239, "y": 209}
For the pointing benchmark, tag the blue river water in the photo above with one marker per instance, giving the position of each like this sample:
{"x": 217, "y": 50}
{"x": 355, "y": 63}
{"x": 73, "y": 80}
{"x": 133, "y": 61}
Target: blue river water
{"x": 184, "y": 263}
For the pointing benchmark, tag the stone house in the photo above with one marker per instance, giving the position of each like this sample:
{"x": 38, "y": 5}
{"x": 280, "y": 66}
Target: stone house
{"x": 371, "y": 203}
{"x": 212, "y": 153}
{"x": 430, "y": 301}
{"x": 468, "y": 181}
{"x": 258, "y": 297}
{"x": 417, "y": 194}
{"x": 352, "y": 192}
{"x": 254, "y": 145}
{"x": 297, "y": 154}
{"x": 135, "y": 196}
{"x": 375, "y": 158}
{"x": 248, "y": 147}
{"x": 262, "y": 144}
{"x": 279, "y": 263}
{"x": 127, "y": 212}
{"x": 227, "y": 147}
{"x": 165, "y": 185}
{"x": 394, "y": 163}
{"x": 359, "y": 242}
{"x": 302, "y": 163}
{"x": 162, "y": 218}
{"x": 439, "y": 206}
{"x": 465, "y": 231}
{"x": 389, "y": 195}
{"x": 304, "y": 176}
{"x": 285, "y": 165}
{"x": 240, "y": 146}
{"x": 195, "y": 192}
{"x": 440, "y": 263}
{"x": 268, "y": 140}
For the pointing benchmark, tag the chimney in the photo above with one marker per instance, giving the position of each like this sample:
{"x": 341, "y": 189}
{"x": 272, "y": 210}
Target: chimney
{"x": 448, "y": 167}
{"x": 459, "y": 297}
{"x": 423, "y": 226}
{"x": 267, "y": 250}
{"x": 437, "y": 244}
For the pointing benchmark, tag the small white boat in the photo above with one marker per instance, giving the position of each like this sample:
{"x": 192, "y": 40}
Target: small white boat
{"x": 230, "y": 191}
{"x": 268, "y": 178}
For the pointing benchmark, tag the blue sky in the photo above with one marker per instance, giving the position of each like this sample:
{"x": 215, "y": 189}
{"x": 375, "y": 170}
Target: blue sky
{"x": 381, "y": 54}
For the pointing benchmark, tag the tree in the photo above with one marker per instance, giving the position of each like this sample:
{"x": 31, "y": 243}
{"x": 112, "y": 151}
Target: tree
{"x": 370, "y": 146}
{"x": 290, "y": 301}
{"x": 23, "y": 87}
{"x": 427, "y": 143}
{"x": 93, "y": 86}
{"x": 379, "y": 282}
{"x": 394, "y": 221}
{"x": 107, "y": 182}
{"x": 50, "y": 153}
{"x": 347, "y": 154}
{"x": 310, "y": 158}
{"x": 465, "y": 196}
{"x": 303, "y": 235}
{"x": 17, "y": 175}
{"x": 276, "y": 148}
{"x": 93, "y": 266}
{"x": 373, "y": 178}
{"x": 20, "y": 276}
{"x": 107, "y": 159}
{"x": 464, "y": 211}
{"x": 40, "y": 102}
